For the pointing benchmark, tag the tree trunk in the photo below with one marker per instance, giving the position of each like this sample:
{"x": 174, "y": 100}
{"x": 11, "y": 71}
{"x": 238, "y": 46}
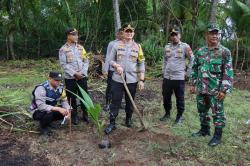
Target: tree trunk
{"x": 213, "y": 11}
{"x": 7, "y": 48}
{"x": 195, "y": 13}
{"x": 39, "y": 47}
{"x": 243, "y": 61}
{"x": 154, "y": 9}
{"x": 237, "y": 52}
{"x": 11, "y": 45}
{"x": 117, "y": 15}
{"x": 167, "y": 17}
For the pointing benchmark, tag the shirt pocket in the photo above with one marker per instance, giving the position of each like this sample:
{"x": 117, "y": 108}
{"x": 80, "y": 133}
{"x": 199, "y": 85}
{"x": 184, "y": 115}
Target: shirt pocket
{"x": 215, "y": 66}
{"x": 69, "y": 57}
{"x": 168, "y": 52}
{"x": 179, "y": 53}
{"x": 120, "y": 55}
{"x": 133, "y": 57}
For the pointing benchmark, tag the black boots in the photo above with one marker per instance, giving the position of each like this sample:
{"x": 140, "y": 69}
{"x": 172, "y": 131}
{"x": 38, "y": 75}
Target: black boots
{"x": 85, "y": 117}
{"x": 128, "y": 122}
{"x": 179, "y": 119}
{"x": 74, "y": 118}
{"x": 204, "y": 131}
{"x": 216, "y": 138}
{"x": 165, "y": 117}
{"x": 111, "y": 127}
{"x": 45, "y": 131}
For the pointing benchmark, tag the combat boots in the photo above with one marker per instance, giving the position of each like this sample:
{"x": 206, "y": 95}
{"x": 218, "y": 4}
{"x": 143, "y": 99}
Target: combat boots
{"x": 204, "y": 131}
{"x": 75, "y": 118}
{"x": 128, "y": 121}
{"x": 85, "y": 117}
{"x": 111, "y": 127}
{"x": 165, "y": 117}
{"x": 216, "y": 138}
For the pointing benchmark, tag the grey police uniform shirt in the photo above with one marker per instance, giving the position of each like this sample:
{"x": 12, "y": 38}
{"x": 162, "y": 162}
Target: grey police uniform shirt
{"x": 127, "y": 56}
{"x": 40, "y": 99}
{"x": 174, "y": 63}
{"x": 107, "y": 66}
{"x": 72, "y": 60}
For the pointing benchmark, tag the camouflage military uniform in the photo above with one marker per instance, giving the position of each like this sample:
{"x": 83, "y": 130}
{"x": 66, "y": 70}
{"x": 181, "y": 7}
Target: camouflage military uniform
{"x": 212, "y": 73}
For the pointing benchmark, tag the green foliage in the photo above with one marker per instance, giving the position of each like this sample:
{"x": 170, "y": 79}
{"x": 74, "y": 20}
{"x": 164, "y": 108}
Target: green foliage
{"x": 152, "y": 49}
{"x": 93, "y": 110}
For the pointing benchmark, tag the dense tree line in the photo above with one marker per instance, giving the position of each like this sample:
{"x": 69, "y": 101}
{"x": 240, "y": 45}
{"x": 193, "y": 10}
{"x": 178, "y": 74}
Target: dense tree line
{"x": 35, "y": 29}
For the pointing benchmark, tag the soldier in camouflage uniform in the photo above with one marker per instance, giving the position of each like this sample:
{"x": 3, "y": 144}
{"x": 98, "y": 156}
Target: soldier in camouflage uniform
{"x": 73, "y": 59}
{"x": 127, "y": 59}
{"x": 212, "y": 78}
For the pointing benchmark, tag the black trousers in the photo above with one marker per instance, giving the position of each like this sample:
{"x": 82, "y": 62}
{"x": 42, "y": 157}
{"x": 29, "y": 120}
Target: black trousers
{"x": 108, "y": 89}
{"x": 117, "y": 90}
{"x": 178, "y": 87}
{"x": 71, "y": 84}
{"x": 46, "y": 118}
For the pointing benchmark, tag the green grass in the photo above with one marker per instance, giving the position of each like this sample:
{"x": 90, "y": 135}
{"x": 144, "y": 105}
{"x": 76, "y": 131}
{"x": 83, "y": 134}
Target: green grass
{"x": 18, "y": 79}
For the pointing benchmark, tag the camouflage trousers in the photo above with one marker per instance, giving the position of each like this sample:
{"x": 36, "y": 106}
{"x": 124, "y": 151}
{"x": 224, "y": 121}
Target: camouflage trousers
{"x": 204, "y": 103}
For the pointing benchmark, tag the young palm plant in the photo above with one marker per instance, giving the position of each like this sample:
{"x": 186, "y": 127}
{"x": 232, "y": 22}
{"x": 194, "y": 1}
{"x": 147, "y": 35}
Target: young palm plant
{"x": 94, "y": 110}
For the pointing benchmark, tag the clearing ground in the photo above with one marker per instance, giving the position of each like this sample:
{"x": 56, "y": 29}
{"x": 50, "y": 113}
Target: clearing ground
{"x": 161, "y": 144}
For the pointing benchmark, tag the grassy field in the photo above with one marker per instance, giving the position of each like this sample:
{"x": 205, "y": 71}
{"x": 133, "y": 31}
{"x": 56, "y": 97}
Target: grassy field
{"x": 162, "y": 144}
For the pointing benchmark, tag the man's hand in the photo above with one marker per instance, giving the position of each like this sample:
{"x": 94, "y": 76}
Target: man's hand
{"x": 119, "y": 69}
{"x": 221, "y": 96}
{"x": 141, "y": 85}
{"x": 105, "y": 75}
{"x": 78, "y": 75}
{"x": 192, "y": 90}
{"x": 63, "y": 111}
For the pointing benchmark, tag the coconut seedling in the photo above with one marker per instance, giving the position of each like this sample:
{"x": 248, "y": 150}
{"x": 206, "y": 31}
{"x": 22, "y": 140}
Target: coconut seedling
{"x": 94, "y": 110}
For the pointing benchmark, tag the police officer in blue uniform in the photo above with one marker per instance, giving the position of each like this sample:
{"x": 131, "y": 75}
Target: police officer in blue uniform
{"x": 49, "y": 102}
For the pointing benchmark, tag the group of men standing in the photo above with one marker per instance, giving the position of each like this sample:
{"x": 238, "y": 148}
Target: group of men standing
{"x": 209, "y": 73}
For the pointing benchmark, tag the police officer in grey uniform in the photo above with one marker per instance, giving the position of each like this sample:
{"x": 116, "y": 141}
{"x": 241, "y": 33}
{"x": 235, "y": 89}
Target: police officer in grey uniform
{"x": 109, "y": 70}
{"x": 175, "y": 73}
{"x": 46, "y": 100}
{"x": 73, "y": 59}
{"x": 127, "y": 61}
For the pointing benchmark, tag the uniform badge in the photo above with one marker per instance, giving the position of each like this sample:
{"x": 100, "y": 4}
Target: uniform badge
{"x": 180, "y": 53}
{"x": 168, "y": 52}
{"x": 119, "y": 57}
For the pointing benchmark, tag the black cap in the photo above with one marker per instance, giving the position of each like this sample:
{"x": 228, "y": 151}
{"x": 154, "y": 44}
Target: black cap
{"x": 175, "y": 30}
{"x": 56, "y": 75}
{"x": 71, "y": 31}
